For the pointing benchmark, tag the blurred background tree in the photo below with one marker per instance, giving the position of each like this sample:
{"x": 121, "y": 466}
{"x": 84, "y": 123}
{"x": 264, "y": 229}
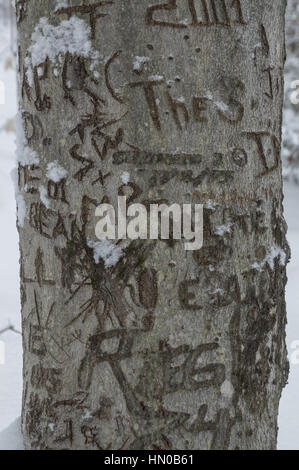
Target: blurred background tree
{"x": 290, "y": 152}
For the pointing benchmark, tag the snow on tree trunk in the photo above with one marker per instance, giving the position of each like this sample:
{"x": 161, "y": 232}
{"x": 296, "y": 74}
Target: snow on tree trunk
{"x": 144, "y": 345}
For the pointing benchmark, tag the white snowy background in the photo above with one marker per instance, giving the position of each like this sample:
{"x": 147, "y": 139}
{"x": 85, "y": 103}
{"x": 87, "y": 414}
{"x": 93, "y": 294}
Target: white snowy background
{"x": 11, "y": 341}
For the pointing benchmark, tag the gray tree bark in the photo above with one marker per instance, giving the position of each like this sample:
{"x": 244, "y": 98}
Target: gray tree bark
{"x": 174, "y": 101}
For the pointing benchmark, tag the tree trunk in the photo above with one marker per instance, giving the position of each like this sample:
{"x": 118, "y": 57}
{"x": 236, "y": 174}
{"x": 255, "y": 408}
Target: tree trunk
{"x": 150, "y": 346}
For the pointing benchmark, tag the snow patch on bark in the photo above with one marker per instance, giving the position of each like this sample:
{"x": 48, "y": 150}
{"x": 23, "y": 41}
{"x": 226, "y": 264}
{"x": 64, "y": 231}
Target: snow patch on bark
{"x": 61, "y": 4}
{"x": 227, "y": 390}
{"x": 21, "y": 210}
{"x": 53, "y": 42}
{"x": 126, "y": 177}
{"x": 156, "y": 78}
{"x": 139, "y": 62}
{"x": 56, "y": 172}
{"x": 106, "y": 251}
{"x": 44, "y": 197}
{"x": 25, "y": 155}
{"x": 223, "y": 229}
{"x": 210, "y": 205}
{"x": 275, "y": 252}
{"x": 21, "y": 203}
{"x": 87, "y": 415}
{"x": 218, "y": 103}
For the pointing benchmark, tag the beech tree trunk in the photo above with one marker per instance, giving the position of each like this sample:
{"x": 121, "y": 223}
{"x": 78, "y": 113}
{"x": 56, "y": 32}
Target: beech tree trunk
{"x": 177, "y": 101}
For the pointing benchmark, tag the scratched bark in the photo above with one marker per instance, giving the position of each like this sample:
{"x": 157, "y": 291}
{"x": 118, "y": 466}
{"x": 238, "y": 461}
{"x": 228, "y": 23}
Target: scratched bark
{"x": 167, "y": 349}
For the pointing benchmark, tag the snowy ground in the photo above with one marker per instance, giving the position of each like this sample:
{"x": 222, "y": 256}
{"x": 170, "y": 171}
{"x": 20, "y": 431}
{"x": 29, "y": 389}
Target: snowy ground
{"x": 10, "y": 372}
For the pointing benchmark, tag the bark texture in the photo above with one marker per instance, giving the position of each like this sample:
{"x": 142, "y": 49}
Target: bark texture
{"x": 167, "y": 349}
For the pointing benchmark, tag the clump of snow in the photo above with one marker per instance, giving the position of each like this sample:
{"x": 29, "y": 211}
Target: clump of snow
{"x": 139, "y": 62}
{"x": 222, "y": 106}
{"x": 25, "y": 155}
{"x": 61, "y": 4}
{"x": 209, "y": 96}
{"x": 21, "y": 210}
{"x": 156, "y": 78}
{"x": 53, "y": 42}
{"x": 258, "y": 266}
{"x": 87, "y": 415}
{"x": 227, "y": 389}
{"x": 50, "y": 41}
{"x": 218, "y": 103}
{"x": 40, "y": 71}
{"x": 217, "y": 291}
{"x": 106, "y": 251}
{"x": 223, "y": 229}
{"x": 29, "y": 72}
{"x": 56, "y": 172}
{"x": 126, "y": 177}
{"x": 215, "y": 294}
{"x": 44, "y": 197}
{"x": 15, "y": 179}
{"x": 275, "y": 252}
{"x": 210, "y": 205}
{"x": 21, "y": 203}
